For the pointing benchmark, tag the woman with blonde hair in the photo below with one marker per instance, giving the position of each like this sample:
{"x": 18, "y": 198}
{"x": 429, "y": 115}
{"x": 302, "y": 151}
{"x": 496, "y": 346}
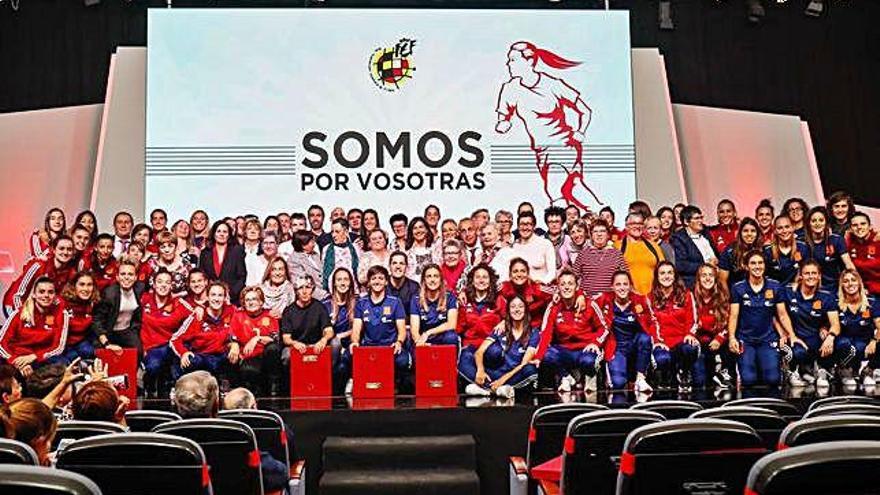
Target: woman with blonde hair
{"x": 31, "y": 422}
{"x": 34, "y": 335}
{"x": 434, "y": 310}
{"x": 859, "y": 330}
{"x": 277, "y": 288}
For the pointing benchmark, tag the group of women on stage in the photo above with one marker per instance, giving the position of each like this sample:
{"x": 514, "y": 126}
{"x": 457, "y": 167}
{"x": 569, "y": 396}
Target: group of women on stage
{"x": 763, "y": 301}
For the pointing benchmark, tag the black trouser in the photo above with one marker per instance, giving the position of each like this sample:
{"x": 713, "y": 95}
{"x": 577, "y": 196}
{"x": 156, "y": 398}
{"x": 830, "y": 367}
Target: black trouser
{"x": 258, "y": 370}
{"x": 127, "y": 339}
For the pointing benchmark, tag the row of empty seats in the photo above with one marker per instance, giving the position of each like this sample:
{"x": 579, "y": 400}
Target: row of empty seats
{"x": 193, "y": 456}
{"x": 679, "y": 447}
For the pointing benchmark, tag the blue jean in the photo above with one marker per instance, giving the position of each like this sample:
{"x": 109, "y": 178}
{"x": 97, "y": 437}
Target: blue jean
{"x": 448, "y": 337}
{"x": 633, "y": 351}
{"x": 496, "y": 366}
{"x": 852, "y": 352}
{"x": 759, "y": 364}
{"x": 212, "y": 363}
{"x": 156, "y": 361}
{"x": 562, "y": 360}
{"x": 806, "y": 356}
{"x": 83, "y": 350}
{"x": 681, "y": 357}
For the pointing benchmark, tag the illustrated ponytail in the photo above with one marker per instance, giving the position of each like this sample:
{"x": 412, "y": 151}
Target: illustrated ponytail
{"x": 548, "y": 58}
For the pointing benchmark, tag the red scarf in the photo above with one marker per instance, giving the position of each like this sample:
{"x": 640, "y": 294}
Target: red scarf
{"x": 452, "y": 275}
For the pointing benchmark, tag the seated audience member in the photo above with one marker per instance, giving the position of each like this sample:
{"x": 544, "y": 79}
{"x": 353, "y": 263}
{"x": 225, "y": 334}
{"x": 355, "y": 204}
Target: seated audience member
{"x": 379, "y": 321}
{"x": 572, "y": 341}
{"x": 117, "y": 318}
{"x": 306, "y": 323}
{"x": 598, "y": 261}
{"x": 80, "y": 296}
{"x": 434, "y": 311}
{"x": 58, "y": 269}
{"x": 34, "y": 335}
{"x": 256, "y": 331}
{"x": 53, "y": 384}
{"x": 208, "y": 344}
{"x": 692, "y": 246}
{"x": 31, "y": 422}
{"x": 197, "y": 395}
{"x": 503, "y": 361}
{"x": 223, "y": 260}
{"x": 10, "y": 387}
{"x": 99, "y": 401}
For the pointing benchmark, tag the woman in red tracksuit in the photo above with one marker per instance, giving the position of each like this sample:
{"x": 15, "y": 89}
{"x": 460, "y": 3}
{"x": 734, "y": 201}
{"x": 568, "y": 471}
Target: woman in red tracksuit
{"x": 634, "y": 333}
{"x": 162, "y": 317}
{"x": 80, "y": 296}
{"x": 713, "y": 310}
{"x": 208, "y": 344}
{"x": 54, "y": 225}
{"x": 676, "y": 315}
{"x": 59, "y": 268}
{"x": 34, "y": 334}
{"x": 572, "y": 340}
{"x": 478, "y": 312}
{"x": 256, "y": 332}
{"x": 101, "y": 263}
{"x": 520, "y": 284}
{"x": 864, "y": 251}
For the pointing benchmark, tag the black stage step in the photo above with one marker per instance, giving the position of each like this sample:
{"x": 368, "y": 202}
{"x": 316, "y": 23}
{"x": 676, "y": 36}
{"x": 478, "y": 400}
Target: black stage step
{"x": 420, "y": 465}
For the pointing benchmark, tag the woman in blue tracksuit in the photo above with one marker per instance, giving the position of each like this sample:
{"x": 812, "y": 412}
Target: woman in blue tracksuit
{"x": 753, "y": 338}
{"x": 503, "y": 362}
{"x": 730, "y": 265}
{"x": 433, "y": 311}
{"x": 828, "y": 249}
{"x": 813, "y": 314}
{"x": 785, "y": 254}
{"x": 859, "y": 330}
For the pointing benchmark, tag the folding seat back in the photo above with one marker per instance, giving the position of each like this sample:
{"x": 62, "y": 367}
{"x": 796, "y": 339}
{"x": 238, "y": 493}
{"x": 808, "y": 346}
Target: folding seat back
{"x": 15, "y": 452}
{"x": 688, "y": 456}
{"x": 844, "y": 409}
{"x": 785, "y": 409}
{"x": 843, "y": 399}
{"x": 670, "y": 409}
{"x": 144, "y": 421}
{"x": 547, "y": 430}
{"x": 830, "y": 429}
{"x": 231, "y": 451}
{"x": 769, "y": 424}
{"x": 593, "y": 444}
{"x": 37, "y": 480}
{"x": 832, "y": 468}
{"x": 269, "y": 430}
{"x": 75, "y": 430}
{"x": 139, "y": 464}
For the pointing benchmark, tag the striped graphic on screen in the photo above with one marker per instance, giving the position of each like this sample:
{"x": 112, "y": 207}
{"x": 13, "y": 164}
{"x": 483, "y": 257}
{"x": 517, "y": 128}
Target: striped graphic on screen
{"x": 516, "y": 159}
{"x": 220, "y": 160}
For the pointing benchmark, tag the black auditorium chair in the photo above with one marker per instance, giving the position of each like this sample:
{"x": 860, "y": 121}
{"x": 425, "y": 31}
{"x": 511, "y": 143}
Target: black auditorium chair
{"x": 145, "y": 420}
{"x": 833, "y": 468}
{"x": 15, "y": 452}
{"x": 785, "y": 409}
{"x": 231, "y": 451}
{"x": 546, "y": 435}
{"x": 37, "y": 480}
{"x": 593, "y": 444}
{"x": 830, "y": 428}
{"x": 76, "y": 430}
{"x": 670, "y": 409}
{"x": 139, "y": 464}
{"x": 768, "y": 423}
{"x": 843, "y": 399}
{"x": 688, "y": 456}
{"x": 844, "y": 409}
{"x": 273, "y": 437}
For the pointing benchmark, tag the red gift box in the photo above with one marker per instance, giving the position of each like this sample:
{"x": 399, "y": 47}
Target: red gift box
{"x": 310, "y": 374}
{"x": 373, "y": 372}
{"x": 122, "y": 371}
{"x": 436, "y": 374}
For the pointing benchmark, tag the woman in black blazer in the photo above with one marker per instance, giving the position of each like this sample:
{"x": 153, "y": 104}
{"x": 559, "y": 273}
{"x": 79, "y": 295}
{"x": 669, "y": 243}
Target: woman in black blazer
{"x": 224, "y": 260}
{"x": 106, "y": 312}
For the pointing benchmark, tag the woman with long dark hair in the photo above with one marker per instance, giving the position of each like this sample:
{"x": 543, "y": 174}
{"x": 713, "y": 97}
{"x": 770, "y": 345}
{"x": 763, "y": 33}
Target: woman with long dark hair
{"x": 503, "y": 362}
{"x": 421, "y": 249}
{"x": 764, "y": 215}
{"x": 79, "y": 297}
{"x": 54, "y": 225}
{"x": 796, "y": 210}
{"x": 340, "y": 305}
{"x": 101, "y": 262}
{"x": 676, "y": 314}
{"x": 224, "y": 260}
{"x": 533, "y": 293}
{"x": 277, "y": 287}
{"x": 87, "y": 219}
{"x": 59, "y": 268}
{"x": 478, "y": 309}
{"x": 433, "y": 311}
{"x": 730, "y": 262}
{"x": 814, "y": 316}
{"x": 713, "y": 311}
{"x": 826, "y": 248}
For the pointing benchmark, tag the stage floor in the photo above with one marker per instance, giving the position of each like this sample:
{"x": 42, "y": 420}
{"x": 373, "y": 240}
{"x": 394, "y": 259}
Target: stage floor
{"x": 500, "y": 426}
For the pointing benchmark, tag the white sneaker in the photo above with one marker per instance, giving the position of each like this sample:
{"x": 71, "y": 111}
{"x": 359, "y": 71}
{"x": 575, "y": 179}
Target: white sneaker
{"x": 868, "y": 381}
{"x": 591, "y": 383}
{"x": 808, "y": 378}
{"x": 474, "y": 389}
{"x": 505, "y": 391}
{"x": 876, "y": 375}
{"x": 823, "y": 378}
{"x": 348, "y": 386}
{"x": 794, "y": 379}
{"x": 641, "y": 385}
{"x": 566, "y": 383}
{"x": 846, "y": 378}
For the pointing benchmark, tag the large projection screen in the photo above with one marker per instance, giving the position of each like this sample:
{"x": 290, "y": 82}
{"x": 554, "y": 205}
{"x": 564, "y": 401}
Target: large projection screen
{"x": 268, "y": 110}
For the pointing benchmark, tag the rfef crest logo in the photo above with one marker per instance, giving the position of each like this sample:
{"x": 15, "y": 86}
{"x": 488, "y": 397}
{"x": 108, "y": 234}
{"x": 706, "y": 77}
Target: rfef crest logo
{"x": 392, "y": 67}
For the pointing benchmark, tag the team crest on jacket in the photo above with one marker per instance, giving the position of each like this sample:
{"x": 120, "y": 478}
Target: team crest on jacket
{"x": 391, "y": 67}
{"x": 768, "y": 294}
{"x": 639, "y": 308}
{"x": 817, "y": 304}
{"x": 866, "y": 313}
{"x": 872, "y": 250}
{"x": 265, "y": 321}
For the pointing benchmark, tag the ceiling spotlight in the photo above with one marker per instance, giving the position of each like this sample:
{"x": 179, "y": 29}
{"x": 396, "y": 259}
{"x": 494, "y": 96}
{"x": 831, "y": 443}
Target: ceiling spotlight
{"x": 815, "y": 8}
